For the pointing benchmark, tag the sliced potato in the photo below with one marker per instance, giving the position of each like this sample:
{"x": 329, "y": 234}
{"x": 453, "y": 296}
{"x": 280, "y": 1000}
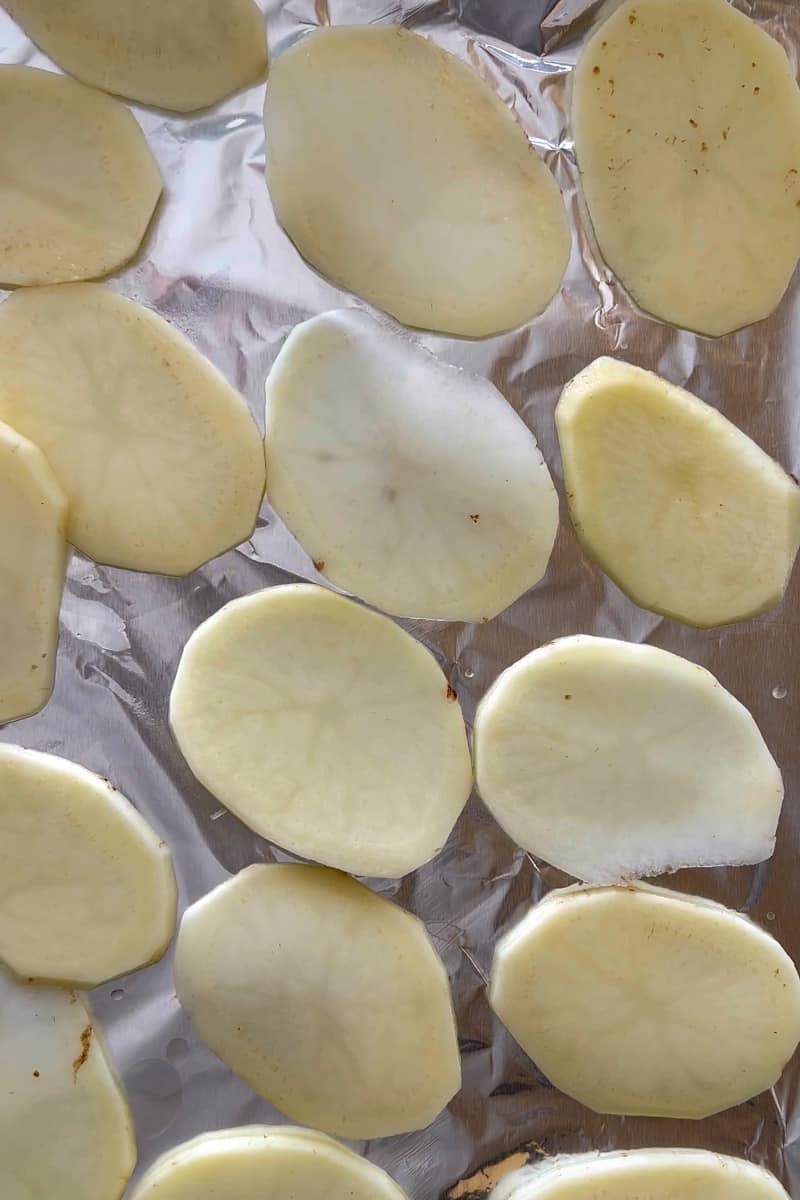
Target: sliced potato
{"x": 325, "y": 727}
{"x": 612, "y": 761}
{"x": 402, "y": 177}
{"x": 159, "y": 456}
{"x": 679, "y": 507}
{"x": 641, "y": 1001}
{"x": 686, "y": 120}
{"x": 78, "y": 185}
{"x": 183, "y": 54}
{"x": 328, "y": 1000}
{"x": 407, "y": 481}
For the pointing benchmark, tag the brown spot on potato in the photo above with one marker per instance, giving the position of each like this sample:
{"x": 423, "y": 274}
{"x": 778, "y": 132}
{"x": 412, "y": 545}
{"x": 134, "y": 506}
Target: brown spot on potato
{"x": 452, "y": 694}
{"x": 83, "y": 1057}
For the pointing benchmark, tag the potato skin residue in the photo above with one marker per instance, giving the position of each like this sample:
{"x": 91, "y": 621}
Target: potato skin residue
{"x": 86, "y": 1045}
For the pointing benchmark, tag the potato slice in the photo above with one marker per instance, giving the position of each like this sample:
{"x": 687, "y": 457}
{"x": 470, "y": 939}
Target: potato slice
{"x": 402, "y": 177}
{"x": 641, "y": 1001}
{"x": 183, "y": 54}
{"x": 679, "y": 507}
{"x": 33, "y": 554}
{"x": 87, "y": 890}
{"x": 325, "y": 727}
{"x": 159, "y": 456}
{"x": 686, "y": 120}
{"x": 407, "y": 481}
{"x": 65, "y": 1129}
{"x": 328, "y": 1000}
{"x": 612, "y": 761}
{"x": 78, "y": 184}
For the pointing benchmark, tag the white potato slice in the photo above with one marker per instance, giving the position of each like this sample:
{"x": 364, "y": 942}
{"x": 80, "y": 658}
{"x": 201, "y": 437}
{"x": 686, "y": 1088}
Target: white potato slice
{"x": 328, "y": 1000}
{"x": 179, "y": 54}
{"x": 159, "y": 456}
{"x": 78, "y": 184}
{"x": 65, "y": 1129}
{"x": 679, "y": 507}
{"x": 612, "y": 761}
{"x": 325, "y": 727}
{"x": 33, "y": 554}
{"x": 409, "y": 482}
{"x": 641, "y": 1001}
{"x": 686, "y": 120}
{"x": 87, "y": 890}
{"x": 401, "y": 176}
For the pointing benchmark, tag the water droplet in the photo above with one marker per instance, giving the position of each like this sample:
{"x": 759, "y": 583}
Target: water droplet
{"x": 468, "y": 673}
{"x": 215, "y": 816}
{"x": 117, "y": 993}
{"x": 177, "y": 1050}
{"x": 770, "y": 916}
{"x": 779, "y": 693}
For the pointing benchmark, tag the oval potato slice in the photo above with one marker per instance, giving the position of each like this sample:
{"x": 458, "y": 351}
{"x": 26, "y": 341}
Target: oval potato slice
{"x": 612, "y": 761}
{"x": 401, "y": 176}
{"x": 328, "y": 1000}
{"x": 78, "y": 184}
{"x": 641, "y": 1001}
{"x": 159, "y": 456}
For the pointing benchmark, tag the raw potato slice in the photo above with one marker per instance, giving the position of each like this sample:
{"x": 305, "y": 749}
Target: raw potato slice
{"x": 78, "y": 184}
{"x": 182, "y": 54}
{"x": 679, "y": 507}
{"x": 65, "y": 1129}
{"x": 409, "y": 482}
{"x": 325, "y": 727}
{"x": 402, "y": 177}
{"x": 612, "y": 761}
{"x": 87, "y": 890}
{"x": 641, "y": 1001}
{"x": 33, "y": 553}
{"x": 159, "y": 456}
{"x": 686, "y": 119}
{"x": 328, "y": 1000}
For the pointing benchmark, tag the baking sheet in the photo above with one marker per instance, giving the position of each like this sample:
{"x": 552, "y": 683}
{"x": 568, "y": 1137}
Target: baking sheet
{"x": 217, "y": 265}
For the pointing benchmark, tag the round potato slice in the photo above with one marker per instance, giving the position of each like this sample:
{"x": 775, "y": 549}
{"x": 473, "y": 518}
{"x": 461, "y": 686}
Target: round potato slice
{"x": 686, "y": 120}
{"x": 87, "y": 890}
{"x": 679, "y": 507}
{"x": 33, "y": 554}
{"x": 325, "y": 728}
{"x": 328, "y": 1000}
{"x": 641, "y": 1001}
{"x": 407, "y": 481}
{"x": 401, "y": 176}
{"x": 183, "y": 54}
{"x": 159, "y": 456}
{"x": 612, "y": 761}
{"x": 78, "y": 185}
{"x": 65, "y": 1129}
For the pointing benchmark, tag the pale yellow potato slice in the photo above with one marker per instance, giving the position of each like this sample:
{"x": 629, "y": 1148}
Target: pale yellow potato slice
{"x": 409, "y": 482}
{"x": 612, "y": 760}
{"x": 325, "y": 727}
{"x": 679, "y": 507}
{"x": 686, "y": 120}
{"x": 641, "y": 1001}
{"x": 78, "y": 184}
{"x": 158, "y": 455}
{"x": 328, "y": 1000}
{"x": 401, "y": 176}
{"x": 178, "y": 54}
{"x": 65, "y": 1128}
{"x": 33, "y": 555}
{"x": 87, "y": 890}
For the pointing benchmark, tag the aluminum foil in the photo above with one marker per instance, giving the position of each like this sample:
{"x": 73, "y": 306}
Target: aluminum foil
{"x": 217, "y": 265}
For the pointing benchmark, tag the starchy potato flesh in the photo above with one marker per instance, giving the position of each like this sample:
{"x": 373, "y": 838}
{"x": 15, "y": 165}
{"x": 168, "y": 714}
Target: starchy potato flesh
{"x": 158, "y": 455}
{"x": 686, "y": 122}
{"x": 642, "y": 1001}
{"x": 679, "y": 507}
{"x": 328, "y": 1000}
{"x": 402, "y": 177}
{"x": 612, "y": 761}
{"x": 409, "y": 482}
{"x": 78, "y": 184}
{"x": 325, "y": 727}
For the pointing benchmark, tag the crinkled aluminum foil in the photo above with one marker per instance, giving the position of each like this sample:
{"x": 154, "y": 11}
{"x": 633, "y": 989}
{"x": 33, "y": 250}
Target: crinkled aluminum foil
{"x": 217, "y": 265}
